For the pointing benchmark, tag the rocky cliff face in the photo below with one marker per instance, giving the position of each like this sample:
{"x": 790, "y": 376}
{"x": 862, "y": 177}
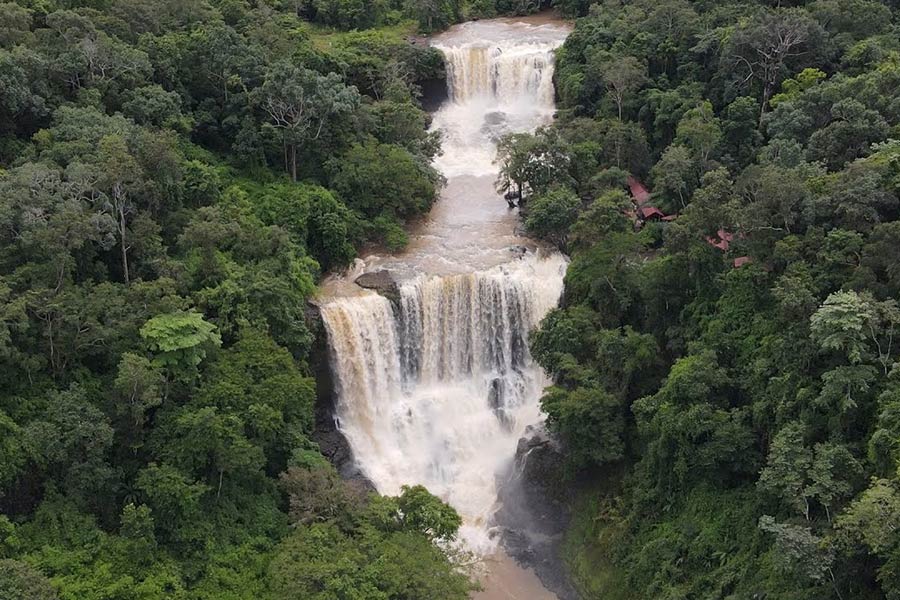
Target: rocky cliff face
{"x": 534, "y": 510}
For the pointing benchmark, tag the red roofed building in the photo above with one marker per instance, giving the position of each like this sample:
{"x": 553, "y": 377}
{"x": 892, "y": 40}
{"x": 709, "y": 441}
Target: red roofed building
{"x": 740, "y": 261}
{"x": 651, "y": 212}
{"x": 639, "y": 193}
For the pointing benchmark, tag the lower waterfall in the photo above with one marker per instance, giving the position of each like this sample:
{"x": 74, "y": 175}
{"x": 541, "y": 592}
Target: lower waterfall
{"x": 437, "y": 388}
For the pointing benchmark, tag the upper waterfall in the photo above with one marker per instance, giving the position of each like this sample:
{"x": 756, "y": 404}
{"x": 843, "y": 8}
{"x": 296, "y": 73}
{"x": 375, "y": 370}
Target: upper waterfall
{"x": 499, "y": 80}
{"x": 436, "y": 387}
{"x": 501, "y": 72}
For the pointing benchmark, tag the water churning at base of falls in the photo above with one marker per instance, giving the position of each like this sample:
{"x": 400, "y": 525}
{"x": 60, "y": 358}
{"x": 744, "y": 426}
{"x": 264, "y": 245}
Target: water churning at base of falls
{"x": 436, "y": 386}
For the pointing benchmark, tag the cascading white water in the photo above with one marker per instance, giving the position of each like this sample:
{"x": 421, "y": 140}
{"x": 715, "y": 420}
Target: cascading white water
{"x": 499, "y": 81}
{"x": 437, "y": 387}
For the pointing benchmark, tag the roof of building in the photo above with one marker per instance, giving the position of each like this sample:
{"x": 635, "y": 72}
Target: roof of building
{"x": 639, "y": 193}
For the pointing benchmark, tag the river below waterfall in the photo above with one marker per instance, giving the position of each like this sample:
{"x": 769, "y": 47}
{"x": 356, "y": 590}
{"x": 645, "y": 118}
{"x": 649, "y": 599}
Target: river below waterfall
{"x": 436, "y": 385}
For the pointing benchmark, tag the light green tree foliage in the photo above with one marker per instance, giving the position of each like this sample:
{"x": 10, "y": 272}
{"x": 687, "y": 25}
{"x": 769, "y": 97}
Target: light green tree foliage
{"x": 857, "y": 325}
{"x": 675, "y": 173}
{"x": 622, "y": 76}
{"x": 427, "y": 514}
{"x": 531, "y": 163}
{"x": 179, "y": 341}
{"x": 700, "y": 131}
{"x": 138, "y": 388}
{"x": 799, "y": 474}
{"x": 390, "y": 553}
{"x": 800, "y": 551}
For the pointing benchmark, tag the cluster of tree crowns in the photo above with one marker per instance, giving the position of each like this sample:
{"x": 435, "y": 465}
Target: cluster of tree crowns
{"x": 732, "y": 425}
{"x": 175, "y": 177}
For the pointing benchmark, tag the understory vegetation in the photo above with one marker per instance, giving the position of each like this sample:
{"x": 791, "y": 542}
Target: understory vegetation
{"x": 726, "y": 344}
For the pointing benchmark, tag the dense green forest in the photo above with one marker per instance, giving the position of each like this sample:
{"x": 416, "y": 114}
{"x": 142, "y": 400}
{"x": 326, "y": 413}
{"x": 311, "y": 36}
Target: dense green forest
{"x": 727, "y": 381}
{"x": 175, "y": 177}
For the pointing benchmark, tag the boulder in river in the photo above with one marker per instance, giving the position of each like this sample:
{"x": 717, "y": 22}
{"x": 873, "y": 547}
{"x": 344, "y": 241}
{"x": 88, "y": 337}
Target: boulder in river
{"x": 382, "y": 282}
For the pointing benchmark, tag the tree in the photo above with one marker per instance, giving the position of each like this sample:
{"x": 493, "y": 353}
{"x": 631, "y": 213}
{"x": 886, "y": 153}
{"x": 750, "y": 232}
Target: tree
{"x": 175, "y": 499}
{"x": 797, "y": 474}
{"x": 622, "y": 76}
{"x": 802, "y": 551}
{"x": 426, "y": 514}
{"x": 179, "y": 341}
{"x": 12, "y": 452}
{"x": 531, "y": 163}
{"x": 19, "y": 581}
{"x": 208, "y": 443}
{"x": 874, "y": 517}
{"x": 378, "y": 179}
{"x": 15, "y": 23}
{"x": 70, "y": 446}
{"x": 138, "y": 388}
{"x": 675, "y": 173}
{"x": 316, "y": 492}
{"x": 851, "y": 133}
{"x": 300, "y": 102}
{"x": 119, "y": 175}
{"x": 700, "y": 131}
{"x": 153, "y": 105}
{"x": 259, "y": 382}
{"x": 855, "y": 323}
{"x": 434, "y": 15}
{"x": 589, "y": 421}
{"x": 766, "y": 47}
{"x": 551, "y": 214}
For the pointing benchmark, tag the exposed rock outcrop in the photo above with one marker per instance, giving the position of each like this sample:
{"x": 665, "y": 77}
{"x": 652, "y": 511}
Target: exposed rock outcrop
{"x": 534, "y": 510}
{"x": 382, "y": 282}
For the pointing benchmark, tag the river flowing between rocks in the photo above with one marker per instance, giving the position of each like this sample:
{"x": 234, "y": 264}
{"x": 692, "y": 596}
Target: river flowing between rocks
{"x": 436, "y": 386}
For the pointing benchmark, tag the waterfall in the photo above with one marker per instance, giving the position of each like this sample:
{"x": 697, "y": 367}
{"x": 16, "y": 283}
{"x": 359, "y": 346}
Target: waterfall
{"x": 436, "y": 386}
{"x": 504, "y": 73}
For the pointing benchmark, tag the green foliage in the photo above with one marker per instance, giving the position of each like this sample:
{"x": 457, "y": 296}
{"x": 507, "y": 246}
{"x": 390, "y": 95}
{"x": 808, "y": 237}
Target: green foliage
{"x": 550, "y": 215}
{"x": 155, "y": 267}
{"x": 578, "y": 416}
{"x": 18, "y": 581}
{"x": 387, "y": 553}
{"x": 385, "y": 179}
{"x": 179, "y": 341}
{"x": 733, "y": 361}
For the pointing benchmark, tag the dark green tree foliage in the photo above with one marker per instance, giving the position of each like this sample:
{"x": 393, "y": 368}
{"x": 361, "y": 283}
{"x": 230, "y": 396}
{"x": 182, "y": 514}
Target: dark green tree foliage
{"x": 725, "y": 380}
{"x": 175, "y": 177}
